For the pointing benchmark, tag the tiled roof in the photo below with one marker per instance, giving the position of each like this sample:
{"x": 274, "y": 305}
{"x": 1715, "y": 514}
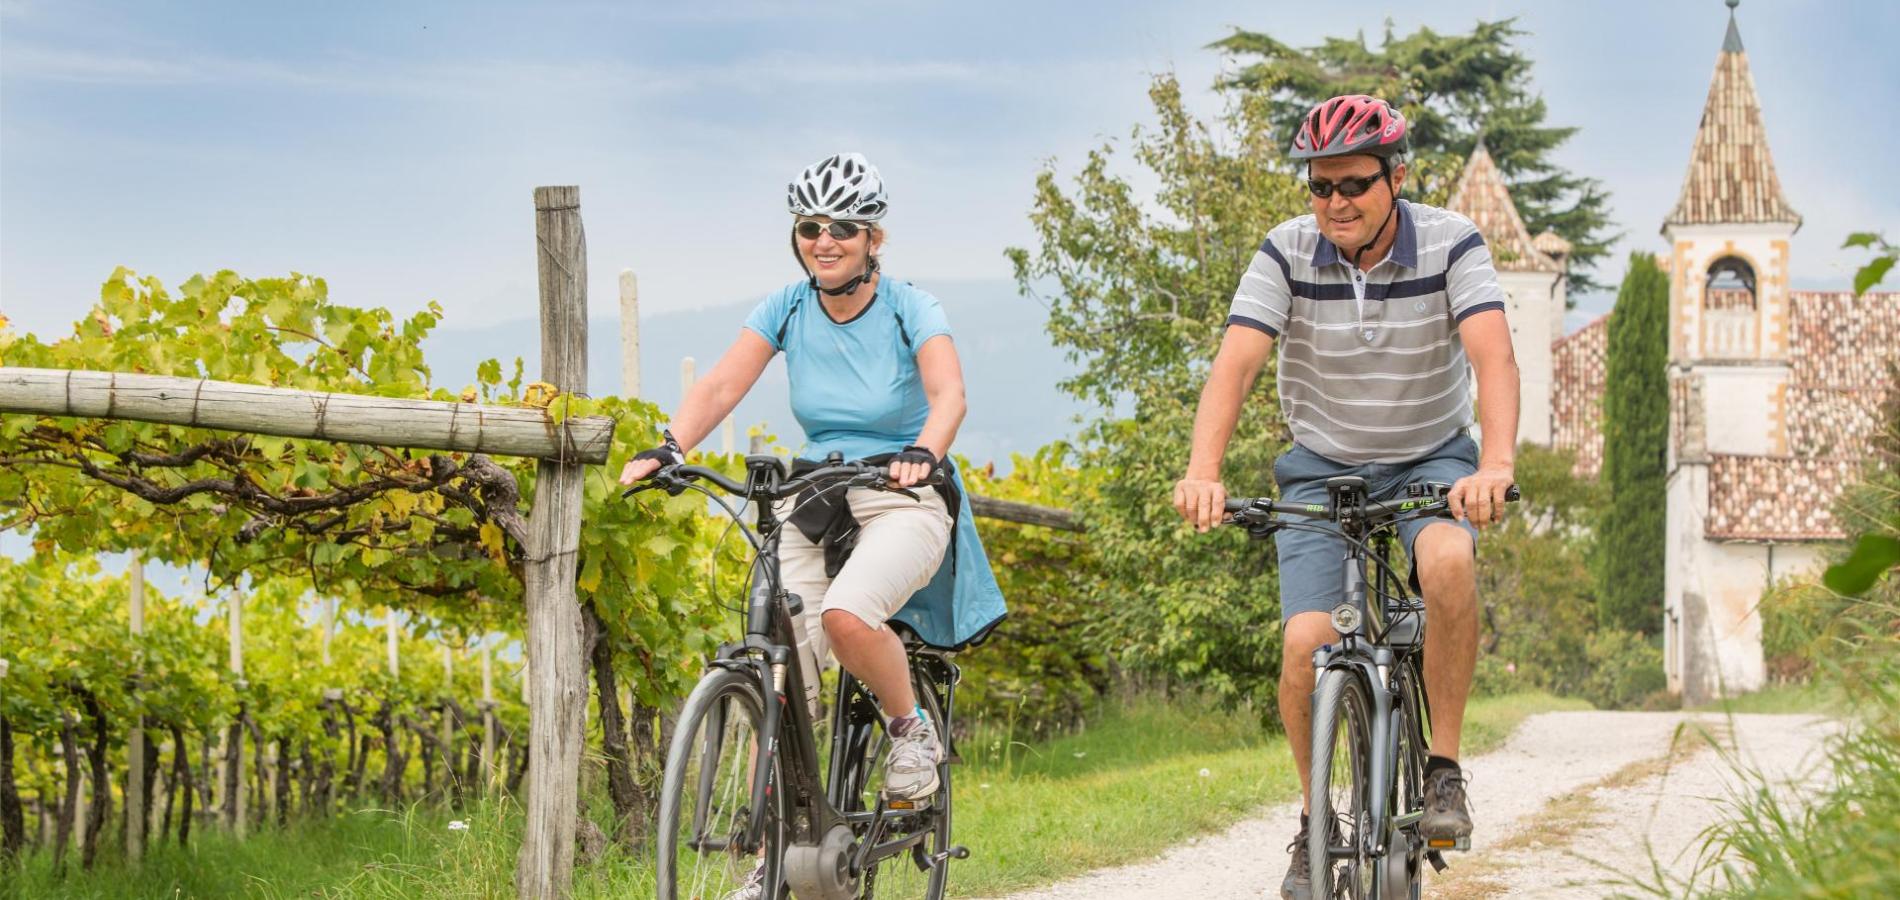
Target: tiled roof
{"x": 1481, "y": 196}
{"x": 1551, "y": 244}
{"x": 1842, "y": 351}
{"x": 1767, "y": 498}
{"x": 1577, "y": 373}
{"x": 1731, "y": 175}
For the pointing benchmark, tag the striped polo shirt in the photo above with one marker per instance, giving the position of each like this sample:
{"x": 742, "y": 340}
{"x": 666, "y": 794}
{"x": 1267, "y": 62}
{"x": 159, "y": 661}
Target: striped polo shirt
{"x": 1372, "y": 369}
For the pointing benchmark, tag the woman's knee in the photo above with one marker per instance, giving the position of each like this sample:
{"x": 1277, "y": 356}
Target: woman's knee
{"x": 843, "y": 626}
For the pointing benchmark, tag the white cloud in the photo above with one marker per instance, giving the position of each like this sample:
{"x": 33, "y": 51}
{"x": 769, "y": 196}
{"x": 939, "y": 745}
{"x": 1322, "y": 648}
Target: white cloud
{"x": 489, "y": 78}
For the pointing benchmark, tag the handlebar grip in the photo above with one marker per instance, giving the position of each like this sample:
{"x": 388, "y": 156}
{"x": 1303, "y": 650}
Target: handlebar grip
{"x": 1512, "y": 494}
{"x": 1234, "y": 506}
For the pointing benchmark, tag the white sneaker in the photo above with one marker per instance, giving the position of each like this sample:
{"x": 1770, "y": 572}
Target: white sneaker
{"x": 910, "y": 773}
{"x": 753, "y": 888}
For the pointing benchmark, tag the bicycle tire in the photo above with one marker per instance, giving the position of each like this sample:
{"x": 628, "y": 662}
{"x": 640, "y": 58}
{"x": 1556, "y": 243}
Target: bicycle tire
{"x": 1342, "y": 726}
{"x": 724, "y": 700}
{"x": 901, "y": 877}
{"x": 1404, "y": 866}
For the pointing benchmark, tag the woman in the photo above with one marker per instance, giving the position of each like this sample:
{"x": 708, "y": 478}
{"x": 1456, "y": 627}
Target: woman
{"x": 873, "y": 373}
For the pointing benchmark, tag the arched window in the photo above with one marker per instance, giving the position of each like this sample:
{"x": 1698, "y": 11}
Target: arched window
{"x": 1729, "y": 310}
{"x": 1731, "y": 285}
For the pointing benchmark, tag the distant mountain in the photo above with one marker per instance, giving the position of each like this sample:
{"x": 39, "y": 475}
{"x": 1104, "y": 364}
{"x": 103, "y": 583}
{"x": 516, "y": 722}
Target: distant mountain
{"x": 1010, "y": 369}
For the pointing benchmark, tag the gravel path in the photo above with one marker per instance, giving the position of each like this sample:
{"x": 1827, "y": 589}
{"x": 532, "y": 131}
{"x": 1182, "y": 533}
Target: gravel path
{"x": 1566, "y": 789}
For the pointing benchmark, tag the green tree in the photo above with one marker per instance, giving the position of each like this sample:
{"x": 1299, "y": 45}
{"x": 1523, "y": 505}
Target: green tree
{"x": 1631, "y": 533}
{"x": 1137, "y": 290}
{"x": 1452, "y": 88}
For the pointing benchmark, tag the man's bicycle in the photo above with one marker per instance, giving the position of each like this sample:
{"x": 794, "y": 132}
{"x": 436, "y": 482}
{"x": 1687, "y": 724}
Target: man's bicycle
{"x": 749, "y": 792}
{"x": 1370, "y": 717}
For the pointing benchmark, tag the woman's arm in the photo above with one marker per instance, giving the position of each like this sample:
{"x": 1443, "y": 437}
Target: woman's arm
{"x": 712, "y": 398}
{"x": 942, "y": 374}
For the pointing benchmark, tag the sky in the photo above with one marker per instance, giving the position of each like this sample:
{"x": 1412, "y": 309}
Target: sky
{"x": 393, "y": 147}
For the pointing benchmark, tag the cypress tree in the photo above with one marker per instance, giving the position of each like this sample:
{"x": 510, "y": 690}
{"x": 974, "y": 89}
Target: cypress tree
{"x": 1632, "y": 533}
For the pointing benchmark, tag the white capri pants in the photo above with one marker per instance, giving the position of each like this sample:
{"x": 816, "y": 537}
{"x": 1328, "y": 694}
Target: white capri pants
{"x": 900, "y": 545}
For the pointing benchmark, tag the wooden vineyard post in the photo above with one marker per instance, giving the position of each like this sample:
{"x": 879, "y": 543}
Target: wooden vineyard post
{"x": 390, "y": 644}
{"x": 234, "y": 800}
{"x": 557, "y": 691}
{"x": 448, "y": 718}
{"x": 135, "y": 740}
{"x": 488, "y": 716}
{"x": 329, "y": 627}
{"x": 629, "y": 334}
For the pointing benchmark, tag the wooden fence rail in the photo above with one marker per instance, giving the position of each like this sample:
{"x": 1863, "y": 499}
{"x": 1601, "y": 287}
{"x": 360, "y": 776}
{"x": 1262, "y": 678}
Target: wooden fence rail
{"x": 285, "y": 412}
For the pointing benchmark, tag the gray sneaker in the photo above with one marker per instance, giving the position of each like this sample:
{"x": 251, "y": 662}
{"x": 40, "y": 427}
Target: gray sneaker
{"x": 752, "y": 889}
{"x": 1298, "y": 883}
{"x": 910, "y": 772}
{"x": 1446, "y": 816}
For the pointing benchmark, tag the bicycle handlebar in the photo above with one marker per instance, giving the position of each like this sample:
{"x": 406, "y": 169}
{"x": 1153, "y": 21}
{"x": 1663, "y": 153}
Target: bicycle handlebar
{"x": 1260, "y": 510}
{"x": 674, "y": 479}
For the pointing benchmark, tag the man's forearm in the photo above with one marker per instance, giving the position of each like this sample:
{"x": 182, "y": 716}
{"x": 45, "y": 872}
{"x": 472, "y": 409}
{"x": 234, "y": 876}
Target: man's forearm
{"x": 1497, "y": 413}
{"x": 1214, "y": 421}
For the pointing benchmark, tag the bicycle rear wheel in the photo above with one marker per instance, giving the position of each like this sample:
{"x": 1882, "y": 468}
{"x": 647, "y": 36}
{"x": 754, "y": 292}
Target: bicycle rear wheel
{"x": 704, "y": 851}
{"x": 1338, "y": 807}
{"x": 916, "y": 872}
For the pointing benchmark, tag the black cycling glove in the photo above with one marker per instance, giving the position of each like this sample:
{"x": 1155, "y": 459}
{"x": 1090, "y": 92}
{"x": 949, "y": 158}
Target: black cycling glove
{"x": 668, "y": 453}
{"x": 915, "y": 454}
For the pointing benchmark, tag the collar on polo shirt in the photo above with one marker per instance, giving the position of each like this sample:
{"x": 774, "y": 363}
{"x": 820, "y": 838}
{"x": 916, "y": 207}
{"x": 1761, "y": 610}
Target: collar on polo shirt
{"x": 1404, "y": 248}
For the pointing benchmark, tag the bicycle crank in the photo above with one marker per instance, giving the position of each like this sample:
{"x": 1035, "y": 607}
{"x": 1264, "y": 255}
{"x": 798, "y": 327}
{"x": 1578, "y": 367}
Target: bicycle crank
{"x": 822, "y": 871}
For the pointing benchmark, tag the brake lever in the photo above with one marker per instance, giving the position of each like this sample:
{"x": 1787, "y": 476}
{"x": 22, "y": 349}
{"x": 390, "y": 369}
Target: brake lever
{"x": 883, "y": 482}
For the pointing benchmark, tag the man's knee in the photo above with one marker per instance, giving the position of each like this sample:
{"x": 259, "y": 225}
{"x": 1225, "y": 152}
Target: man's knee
{"x": 1304, "y": 633}
{"x": 1447, "y": 561}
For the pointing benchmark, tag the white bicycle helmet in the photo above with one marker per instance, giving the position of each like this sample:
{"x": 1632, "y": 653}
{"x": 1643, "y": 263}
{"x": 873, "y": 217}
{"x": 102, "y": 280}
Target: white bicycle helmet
{"x": 845, "y": 188}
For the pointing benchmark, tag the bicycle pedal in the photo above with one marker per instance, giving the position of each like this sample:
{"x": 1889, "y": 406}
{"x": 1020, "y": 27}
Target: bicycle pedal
{"x": 956, "y": 851}
{"x": 1450, "y": 843}
{"x": 895, "y": 804}
{"x": 1437, "y": 860}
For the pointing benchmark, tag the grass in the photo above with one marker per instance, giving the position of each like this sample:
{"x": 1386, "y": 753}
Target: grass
{"x": 1818, "y": 696}
{"x": 1141, "y": 777}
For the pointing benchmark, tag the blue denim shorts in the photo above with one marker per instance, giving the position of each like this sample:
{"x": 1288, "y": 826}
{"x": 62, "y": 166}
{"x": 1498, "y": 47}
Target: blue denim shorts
{"x": 1312, "y": 578}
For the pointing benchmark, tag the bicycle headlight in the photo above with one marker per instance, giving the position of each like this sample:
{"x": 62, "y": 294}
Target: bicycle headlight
{"x": 1346, "y": 618}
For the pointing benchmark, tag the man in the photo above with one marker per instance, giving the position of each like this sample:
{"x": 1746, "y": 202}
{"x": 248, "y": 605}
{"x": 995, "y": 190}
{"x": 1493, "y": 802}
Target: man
{"x": 1377, "y": 305}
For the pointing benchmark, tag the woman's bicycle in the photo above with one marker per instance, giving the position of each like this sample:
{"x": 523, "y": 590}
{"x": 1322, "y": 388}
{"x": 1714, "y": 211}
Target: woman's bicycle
{"x": 1370, "y": 717}
{"x": 748, "y": 793}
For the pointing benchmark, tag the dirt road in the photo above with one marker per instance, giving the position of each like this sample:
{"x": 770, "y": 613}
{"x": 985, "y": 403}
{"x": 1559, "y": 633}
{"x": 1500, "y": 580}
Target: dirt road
{"x": 1573, "y": 805}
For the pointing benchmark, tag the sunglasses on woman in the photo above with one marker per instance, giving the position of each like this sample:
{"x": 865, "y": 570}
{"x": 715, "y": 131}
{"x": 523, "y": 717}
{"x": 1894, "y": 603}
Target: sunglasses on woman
{"x": 1347, "y": 187}
{"x": 840, "y": 231}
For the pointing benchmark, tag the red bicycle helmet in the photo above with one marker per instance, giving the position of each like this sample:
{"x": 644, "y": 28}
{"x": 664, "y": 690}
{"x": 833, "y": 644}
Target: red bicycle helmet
{"x": 1350, "y": 124}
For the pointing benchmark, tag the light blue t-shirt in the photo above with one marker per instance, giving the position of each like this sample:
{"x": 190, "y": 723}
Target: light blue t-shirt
{"x": 855, "y": 385}
{"x": 856, "y": 390}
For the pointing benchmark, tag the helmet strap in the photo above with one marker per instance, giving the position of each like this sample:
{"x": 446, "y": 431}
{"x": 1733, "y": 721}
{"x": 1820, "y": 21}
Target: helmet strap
{"x": 857, "y": 281}
{"x": 1385, "y": 168}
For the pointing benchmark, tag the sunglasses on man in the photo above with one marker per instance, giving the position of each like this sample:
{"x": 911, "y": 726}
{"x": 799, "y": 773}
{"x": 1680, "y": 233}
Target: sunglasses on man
{"x": 840, "y": 231}
{"x": 1347, "y": 187}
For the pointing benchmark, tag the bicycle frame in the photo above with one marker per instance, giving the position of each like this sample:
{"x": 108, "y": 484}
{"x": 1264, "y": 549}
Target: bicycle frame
{"x": 768, "y": 652}
{"x": 1375, "y": 662}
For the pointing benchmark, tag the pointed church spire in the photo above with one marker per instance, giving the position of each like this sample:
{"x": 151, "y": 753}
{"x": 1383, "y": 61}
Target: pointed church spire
{"x": 1482, "y": 196}
{"x": 1731, "y": 174}
{"x": 1732, "y": 42}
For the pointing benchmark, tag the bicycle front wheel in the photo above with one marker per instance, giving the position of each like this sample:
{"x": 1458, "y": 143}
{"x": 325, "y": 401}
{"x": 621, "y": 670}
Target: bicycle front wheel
{"x": 1338, "y": 809}
{"x": 1405, "y": 855}
{"x": 705, "y": 848}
